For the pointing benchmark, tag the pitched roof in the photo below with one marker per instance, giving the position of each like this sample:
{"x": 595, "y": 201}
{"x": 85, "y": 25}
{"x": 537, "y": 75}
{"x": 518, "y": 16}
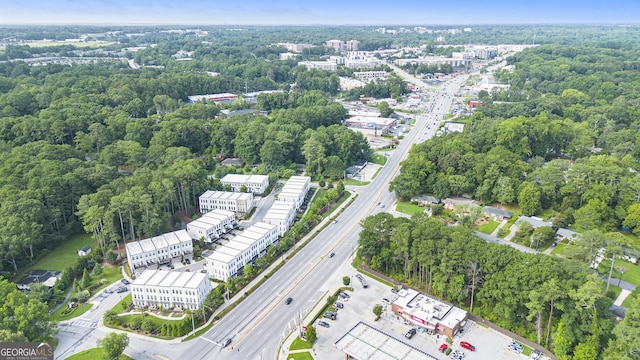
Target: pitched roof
{"x": 499, "y": 212}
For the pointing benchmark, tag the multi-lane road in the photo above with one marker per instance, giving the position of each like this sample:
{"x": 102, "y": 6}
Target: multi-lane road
{"x": 257, "y": 325}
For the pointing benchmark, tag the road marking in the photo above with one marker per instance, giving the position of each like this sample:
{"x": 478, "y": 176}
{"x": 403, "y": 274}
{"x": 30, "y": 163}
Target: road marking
{"x": 209, "y": 340}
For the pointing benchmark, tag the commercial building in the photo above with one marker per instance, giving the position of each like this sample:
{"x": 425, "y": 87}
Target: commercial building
{"x": 239, "y": 203}
{"x": 158, "y": 250}
{"x": 337, "y": 45}
{"x": 170, "y": 289}
{"x": 257, "y": 184}
{"x": 322, "y": 65}
{"x": 295, "y": 47}
{"x": 212, "y": 225}
{"x": 436, "y": 60}
{"x": 370, "y": 124}
{"x": 428, "y": 312}
{"x": 227, "y": 260}
{"x": 216, "y": 98}
{"x": 371, "y": 75}
{"x": 360, "y": 60}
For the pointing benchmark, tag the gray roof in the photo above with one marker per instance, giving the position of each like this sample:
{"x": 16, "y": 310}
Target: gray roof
{"x": 426, "y": 198}
{"x": 535, "y": 222}
{"x": 566, "y": 233}
{"x": 499, "y": 212}
{"x": 86, "y": 248}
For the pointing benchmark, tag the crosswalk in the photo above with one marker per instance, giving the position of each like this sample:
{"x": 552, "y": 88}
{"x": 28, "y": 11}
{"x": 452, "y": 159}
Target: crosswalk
{"x": 85, "y": 323}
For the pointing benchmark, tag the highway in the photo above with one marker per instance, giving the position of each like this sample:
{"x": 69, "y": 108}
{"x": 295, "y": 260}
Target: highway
{"x": 257, "y": 325}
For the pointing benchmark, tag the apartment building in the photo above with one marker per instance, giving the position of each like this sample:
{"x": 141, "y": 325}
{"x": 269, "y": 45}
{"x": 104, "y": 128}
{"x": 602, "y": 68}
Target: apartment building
{"x": 158, "y": 250}
{"x": 227, "y": 260}
{"x": 256, "y": 184}
{"x": 212, "y": 225}
{"x": 239, "y": 203}
{"x": 170, "y": 289}
{"x": 322, "y": 65}
{"x": 281, "y": 214}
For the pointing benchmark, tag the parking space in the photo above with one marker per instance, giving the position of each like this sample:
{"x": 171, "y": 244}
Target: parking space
{"x": 359, "y": 307}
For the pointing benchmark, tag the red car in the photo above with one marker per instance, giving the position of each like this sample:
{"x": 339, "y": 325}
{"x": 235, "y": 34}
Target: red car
{"x": 467, "y": 346}
{"x": 443, "y": 348}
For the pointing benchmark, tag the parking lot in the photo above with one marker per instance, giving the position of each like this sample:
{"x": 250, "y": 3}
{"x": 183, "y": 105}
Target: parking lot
{"x": 359, "y": 307}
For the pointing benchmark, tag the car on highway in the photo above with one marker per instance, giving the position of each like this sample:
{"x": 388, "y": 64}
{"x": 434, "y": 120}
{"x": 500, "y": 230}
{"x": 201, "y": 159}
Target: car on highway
{"x": 443, "y": 348}
{"x": 382, "y": 206}
{"x": 125, "y": 281}
{"x": 324, "y": 324}
{"x": 334, "y": 222}
{"x": 467, "y": 345}
{"x": 226, "y": 342}
{"x": 332, "y": 255}
{"x": 288, "y": 301}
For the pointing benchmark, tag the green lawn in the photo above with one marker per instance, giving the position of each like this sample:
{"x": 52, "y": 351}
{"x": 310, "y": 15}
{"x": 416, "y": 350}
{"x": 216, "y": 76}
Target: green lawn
{"x": 59, "y": 316}
{"x": 489, "y": 227}
{"x": 406, "y": 207}
{"x": 632, "y": 273}
{"x": 91, "y": 354}
{"x": 559, "y": 249}
{"x": 379, "y": 159}
{"x": 627, "y": 302}
{"x": 614, "y": 291}
{"x": 299, "y": 344}
{"x": 300, "y": 356}
{"x": 353, "y": 182}
{"x": 61, "y": 257}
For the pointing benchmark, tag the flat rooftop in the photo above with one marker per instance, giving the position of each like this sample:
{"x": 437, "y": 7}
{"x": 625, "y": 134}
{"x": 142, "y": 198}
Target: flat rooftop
{"x": 366, "y": 342}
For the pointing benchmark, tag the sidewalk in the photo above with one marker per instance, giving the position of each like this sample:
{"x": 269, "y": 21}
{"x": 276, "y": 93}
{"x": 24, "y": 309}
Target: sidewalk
{"x": 623, "y": 295}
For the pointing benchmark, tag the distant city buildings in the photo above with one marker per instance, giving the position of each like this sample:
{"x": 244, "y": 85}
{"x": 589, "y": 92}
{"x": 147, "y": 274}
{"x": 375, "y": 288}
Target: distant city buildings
{"x": 322, "y": 65}
{"x": 340, "y": 46}
{"x": 295, "y": 47}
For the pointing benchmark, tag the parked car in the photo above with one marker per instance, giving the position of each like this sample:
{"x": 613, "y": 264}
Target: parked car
{"x": 108, "y": 291}
{"x": 204, "y": 271}
{"x": 467, "y": 346}
{"x": 410, "y": 333}
{"x": 187, "y": 261}
{"x": 443, "y": 348}
{"x": 386, "y": 301}
{"x": 535, "y": 355}
{"x": 288, "y": 301}
{"x": 515, "y": 347}
{"x": 121, "y": 289}
{"x": 324, "y": 324}
{"x": 339, "y": 305}
{"x": 125, "y": 281}
{"x": 457, "y": 355}
{"x": 330, "y": 315}
{"x": 344, "y": 294}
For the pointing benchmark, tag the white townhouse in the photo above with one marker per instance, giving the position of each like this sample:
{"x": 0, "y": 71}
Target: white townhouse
{"x": 212, "y": 225}
{"x": 240, "y": 203}
{"x": 281, "y": 214}
{"x": 170, "y": 289}
{"x": 227, "y": 260}
{"x": 257, "y": 184}
{"x": 158, "y": 250}
{"x": 295, "y": 190}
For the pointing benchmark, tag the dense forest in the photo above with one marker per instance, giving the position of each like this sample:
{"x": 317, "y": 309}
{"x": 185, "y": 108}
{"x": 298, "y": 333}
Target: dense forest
{"x": 561, "y": 140}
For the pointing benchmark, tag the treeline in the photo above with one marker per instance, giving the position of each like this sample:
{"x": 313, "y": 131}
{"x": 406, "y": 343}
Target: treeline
{"x": 119, "y": 154}
{"x": 573, "y": 150}
{"x": 555, "y": 302}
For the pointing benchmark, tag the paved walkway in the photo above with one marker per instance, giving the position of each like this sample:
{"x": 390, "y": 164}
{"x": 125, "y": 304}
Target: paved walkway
{"x": 500, "y": 226}
{"x": 623, "y": 295}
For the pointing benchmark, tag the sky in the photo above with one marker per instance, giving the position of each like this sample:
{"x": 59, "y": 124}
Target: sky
{"x": 312, "y": 12}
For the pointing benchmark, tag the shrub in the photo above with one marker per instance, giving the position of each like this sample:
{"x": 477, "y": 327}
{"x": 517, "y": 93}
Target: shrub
{"x": 346, "y": 280}
{"x": 112, "y": 257}
{"x": 135, "y": 323}
{"x": 83, "y": 296}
